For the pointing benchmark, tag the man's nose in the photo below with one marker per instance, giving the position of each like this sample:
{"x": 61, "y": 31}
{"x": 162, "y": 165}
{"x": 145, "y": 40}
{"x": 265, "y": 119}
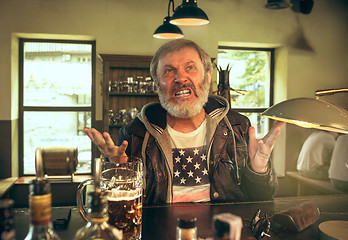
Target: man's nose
{"x": 180, "y": 76}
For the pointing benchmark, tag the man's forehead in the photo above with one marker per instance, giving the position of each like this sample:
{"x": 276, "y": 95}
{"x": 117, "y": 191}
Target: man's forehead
{"x": 184, "y": 55}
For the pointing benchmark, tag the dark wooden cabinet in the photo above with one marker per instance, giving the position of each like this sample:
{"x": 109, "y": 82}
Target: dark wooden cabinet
{"x": 127, "y": 84}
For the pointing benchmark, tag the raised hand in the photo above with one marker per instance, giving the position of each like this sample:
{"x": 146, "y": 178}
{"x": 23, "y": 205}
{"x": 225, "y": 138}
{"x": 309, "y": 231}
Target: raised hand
{"x": 260, "y": 149}
{"x": 105, "y": 144}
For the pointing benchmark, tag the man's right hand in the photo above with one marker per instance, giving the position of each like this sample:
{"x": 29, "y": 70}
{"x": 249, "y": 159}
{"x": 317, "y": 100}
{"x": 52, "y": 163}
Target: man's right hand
{"x": 105, "y": 144}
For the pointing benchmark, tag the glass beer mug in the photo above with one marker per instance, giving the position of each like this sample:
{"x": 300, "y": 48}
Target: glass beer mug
{"x": 122, "y": 180}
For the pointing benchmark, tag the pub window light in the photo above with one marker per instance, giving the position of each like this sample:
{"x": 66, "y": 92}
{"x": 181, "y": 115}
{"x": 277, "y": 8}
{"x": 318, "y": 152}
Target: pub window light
{"x": 189, "y": 14}
{"x": 311, "y": 113}
{"x": 168, "y": 30}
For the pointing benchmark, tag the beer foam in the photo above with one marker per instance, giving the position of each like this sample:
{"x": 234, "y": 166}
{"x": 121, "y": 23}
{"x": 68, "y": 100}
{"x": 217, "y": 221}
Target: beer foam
{"x": 123, "y": 195}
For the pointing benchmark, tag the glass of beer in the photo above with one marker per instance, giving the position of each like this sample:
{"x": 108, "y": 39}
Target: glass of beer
{"x": 122, "y": 179}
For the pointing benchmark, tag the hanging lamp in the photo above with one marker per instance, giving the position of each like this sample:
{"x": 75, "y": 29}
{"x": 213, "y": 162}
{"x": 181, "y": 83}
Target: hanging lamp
{"x": 168, "y": 30}
{"x": 189, "y": 14}
{"x": 277, "y": 4}
{"x": 311, "y": 113}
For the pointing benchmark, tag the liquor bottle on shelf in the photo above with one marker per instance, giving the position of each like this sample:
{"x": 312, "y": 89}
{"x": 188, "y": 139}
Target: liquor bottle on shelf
{"x": 40, "y": 203}
{"x": 7, "y": 229}
{"x": 97, "y": 227}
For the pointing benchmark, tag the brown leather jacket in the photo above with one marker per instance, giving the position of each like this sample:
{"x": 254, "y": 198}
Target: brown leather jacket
{"x": 231, "y": 178}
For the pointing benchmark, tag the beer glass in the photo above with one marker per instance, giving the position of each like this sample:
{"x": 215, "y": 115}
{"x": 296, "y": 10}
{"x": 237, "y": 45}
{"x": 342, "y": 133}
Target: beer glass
{"x": 122, "y": 180}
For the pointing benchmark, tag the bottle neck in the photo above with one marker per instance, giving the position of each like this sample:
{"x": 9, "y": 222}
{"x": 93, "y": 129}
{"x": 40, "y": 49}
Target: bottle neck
{"x": 98, "y": 220}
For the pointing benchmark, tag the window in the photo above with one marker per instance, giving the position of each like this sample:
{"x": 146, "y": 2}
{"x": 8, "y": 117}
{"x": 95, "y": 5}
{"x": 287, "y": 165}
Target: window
{"x": 251, "y": 78}
{"x": 56, "y": 98}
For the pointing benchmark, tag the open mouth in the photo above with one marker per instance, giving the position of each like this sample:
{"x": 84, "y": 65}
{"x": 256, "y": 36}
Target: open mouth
{"x": 182, "y": 93}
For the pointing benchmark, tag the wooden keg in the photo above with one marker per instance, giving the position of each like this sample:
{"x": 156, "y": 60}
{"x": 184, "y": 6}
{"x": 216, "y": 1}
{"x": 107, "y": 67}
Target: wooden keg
{"x": 59, "y": 160}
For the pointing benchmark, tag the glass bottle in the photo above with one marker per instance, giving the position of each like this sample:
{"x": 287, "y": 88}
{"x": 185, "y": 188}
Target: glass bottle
{"x": 7, "y": 229}
{"x": 97, "y": 215}
{"x": 186, "y": 228}
{"x": 97, "y": 226}
{"x": 112, "y": 118}
{"x": 40, "y": 203}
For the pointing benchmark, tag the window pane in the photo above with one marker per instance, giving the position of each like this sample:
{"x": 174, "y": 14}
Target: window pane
{"x": 259, "y": 122}
{"x": 250, "y": 73}
{"x": 43, "y": 129}
{"x": 57, "y": 74}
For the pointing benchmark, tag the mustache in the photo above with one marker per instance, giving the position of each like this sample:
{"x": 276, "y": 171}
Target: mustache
{"x": 179, "y": 86}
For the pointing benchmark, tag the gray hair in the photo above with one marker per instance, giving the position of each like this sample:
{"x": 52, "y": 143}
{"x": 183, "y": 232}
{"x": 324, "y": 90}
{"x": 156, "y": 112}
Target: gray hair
{"x": 176, "y": 45}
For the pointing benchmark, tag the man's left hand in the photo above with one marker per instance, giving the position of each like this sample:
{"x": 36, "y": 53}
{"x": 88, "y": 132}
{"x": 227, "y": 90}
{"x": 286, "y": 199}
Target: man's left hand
{"x": 260, "y": 149}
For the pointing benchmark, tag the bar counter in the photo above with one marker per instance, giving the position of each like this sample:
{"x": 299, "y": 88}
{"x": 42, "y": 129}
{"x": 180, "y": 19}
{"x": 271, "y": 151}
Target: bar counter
{"x": 159, "y": 222}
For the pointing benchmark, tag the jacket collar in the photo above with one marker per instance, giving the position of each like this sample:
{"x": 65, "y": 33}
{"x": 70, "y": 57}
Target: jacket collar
{"x": 154, "y": 116}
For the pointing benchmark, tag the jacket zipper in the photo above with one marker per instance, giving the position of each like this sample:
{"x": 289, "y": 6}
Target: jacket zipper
{"x": 170, "y": 180}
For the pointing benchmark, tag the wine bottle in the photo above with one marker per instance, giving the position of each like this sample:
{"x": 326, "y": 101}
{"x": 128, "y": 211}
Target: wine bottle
{"x": 40, "y": 203}
{"x": 97, "y": 216}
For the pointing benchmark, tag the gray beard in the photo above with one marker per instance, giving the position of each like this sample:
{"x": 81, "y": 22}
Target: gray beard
{"x": 182, "y": 109}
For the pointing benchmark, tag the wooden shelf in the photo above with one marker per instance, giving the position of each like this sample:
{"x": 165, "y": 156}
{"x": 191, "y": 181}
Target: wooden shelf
{"x": 6, "y": 184}
{"x": 117, "y": 68}
{"x": 133, "y": 94}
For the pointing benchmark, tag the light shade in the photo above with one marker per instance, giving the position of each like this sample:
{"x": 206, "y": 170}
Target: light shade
{"x": 168, "y": 31}
{"x": 310, "y": 113}
{"x": 302, "y": 6}
{"x": 277, "y": 4}
{"x": 189, "y": 14}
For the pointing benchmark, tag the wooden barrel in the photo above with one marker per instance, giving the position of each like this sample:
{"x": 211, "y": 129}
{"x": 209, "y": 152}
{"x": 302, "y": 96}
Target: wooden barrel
{"x": 59, "y": 160}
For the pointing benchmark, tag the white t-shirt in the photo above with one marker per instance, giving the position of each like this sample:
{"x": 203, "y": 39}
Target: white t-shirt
{"x": 339, "y": 162}
{"x": 190, "y": 178}
{"x": 316, "y": 151}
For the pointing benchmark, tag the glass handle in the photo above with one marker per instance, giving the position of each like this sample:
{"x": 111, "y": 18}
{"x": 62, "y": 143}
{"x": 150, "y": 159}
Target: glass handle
{"x": 79, "y": 197}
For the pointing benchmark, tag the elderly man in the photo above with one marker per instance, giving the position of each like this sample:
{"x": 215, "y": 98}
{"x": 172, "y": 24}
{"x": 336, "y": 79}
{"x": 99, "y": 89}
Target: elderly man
{"x": 194, "y": 147}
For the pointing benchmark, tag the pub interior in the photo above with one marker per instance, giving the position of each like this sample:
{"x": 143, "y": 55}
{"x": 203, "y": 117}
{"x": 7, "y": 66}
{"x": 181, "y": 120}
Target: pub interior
{"x": 310, "y": 53}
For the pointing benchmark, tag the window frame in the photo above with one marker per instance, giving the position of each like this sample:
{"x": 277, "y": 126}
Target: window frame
{"x": 271, "y": 82}
{"x": 23, "y": 108}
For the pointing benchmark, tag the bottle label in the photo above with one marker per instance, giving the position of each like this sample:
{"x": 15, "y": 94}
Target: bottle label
{"x": 40, "y": 209}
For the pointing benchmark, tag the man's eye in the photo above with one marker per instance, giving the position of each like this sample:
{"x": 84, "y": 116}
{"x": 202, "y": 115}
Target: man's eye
{"x": 168, "y": 71}
{"x": 189, "y": 68}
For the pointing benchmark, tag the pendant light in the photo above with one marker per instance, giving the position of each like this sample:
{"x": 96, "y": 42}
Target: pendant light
{"x": 168, "y": 30}
{"x": 277, "y": 4}
{"x": 311, "y": 113}
{"x": 189, "y": 14}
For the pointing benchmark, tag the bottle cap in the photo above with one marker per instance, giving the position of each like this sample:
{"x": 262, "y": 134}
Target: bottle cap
{"x": 6, "y": 203}
{"x": 39, "y": 187}
{"x": 186, "y": 222}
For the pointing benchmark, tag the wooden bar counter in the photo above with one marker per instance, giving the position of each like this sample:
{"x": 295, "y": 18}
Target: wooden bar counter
{"x": 160, "y": 222}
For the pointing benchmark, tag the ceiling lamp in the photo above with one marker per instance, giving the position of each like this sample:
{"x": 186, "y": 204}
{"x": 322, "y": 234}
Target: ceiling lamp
{"x": 189, "y": 14}
{"x": 311, "y": 113}
{"x": 168, "y": 30}
{"x": 302, "y": 6}
{"x": 277, "y": 4}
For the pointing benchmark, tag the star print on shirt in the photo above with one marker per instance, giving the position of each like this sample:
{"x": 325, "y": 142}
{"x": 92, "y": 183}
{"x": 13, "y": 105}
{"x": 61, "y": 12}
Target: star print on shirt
{"x": 177, "y": 159}
{"x": 190, "y": 166}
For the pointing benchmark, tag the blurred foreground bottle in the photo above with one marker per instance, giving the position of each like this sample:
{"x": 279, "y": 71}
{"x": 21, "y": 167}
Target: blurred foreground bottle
{"x": 40, "y": 203}
{"x": 7, "y": 229}
{"x": 186, "y": 228}
{"x": 97, "y": 215}
{"x": 97, "y": 226}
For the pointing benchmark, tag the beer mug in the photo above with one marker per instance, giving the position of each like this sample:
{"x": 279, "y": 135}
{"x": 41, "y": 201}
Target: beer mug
{"x": 122, "y": 180}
